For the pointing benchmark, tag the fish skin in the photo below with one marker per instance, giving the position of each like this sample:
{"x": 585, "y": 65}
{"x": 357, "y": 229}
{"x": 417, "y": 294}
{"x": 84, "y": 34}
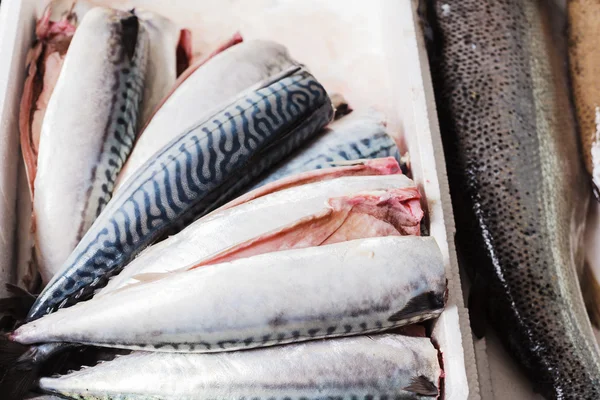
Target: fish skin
{"x": 162, "y": 63}
{"x": 343, "y": 289}
{"x": 72, "y": 187}
{"x": 377, "y": 366}
{"x": 359, "y": 135}
{"x": 217, "y": 81}
{"x": 157, "y": 199}
{"x": 229, "y": 229}
{"x": 584, "y": 30}
{"x": 519, "y": 192}
{"x": 44, "y": 62}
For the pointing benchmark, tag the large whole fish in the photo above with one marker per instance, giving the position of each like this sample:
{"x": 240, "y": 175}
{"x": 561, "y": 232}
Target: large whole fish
{"x": 384, "y": 366}
{"x": 518, "y": 187}
{"x": 303, "y": 216}
{"x": 349, "y": 288}
{"x": 195, "y": 173}
{"x": 584, "y": 57}
{"x": 88, "y": 130}
{"x": 218, "y": 80}
{"x": 360, "y": 135}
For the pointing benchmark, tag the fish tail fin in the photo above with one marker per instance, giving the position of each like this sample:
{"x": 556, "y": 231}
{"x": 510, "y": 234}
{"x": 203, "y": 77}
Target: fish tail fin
{"x": 18, "y": 304}
{"x": 18, "y": 369}
{"x": 590, "y": 289}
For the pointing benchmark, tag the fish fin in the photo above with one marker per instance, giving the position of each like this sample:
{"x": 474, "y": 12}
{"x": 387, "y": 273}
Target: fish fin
{"x": 477, "y": 307}
{"x": 590, "y": 289}
{"x": 19, "y": 304}
{"x": 428, "y": 301}
{"x": 340, "y": 105}
{"x": 421, "y": 385}
{"x": 18, "y": 373}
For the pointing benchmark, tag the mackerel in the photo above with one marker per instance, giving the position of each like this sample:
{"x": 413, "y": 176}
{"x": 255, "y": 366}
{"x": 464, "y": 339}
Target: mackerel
{"x": 360, "y": 135}
{"x": 308, "y": 215}
{"x": 93, "y": 109}
{"x": 383, "y": 366}
{"x": 349, "y": 288}
{"x": 196, "y": 172}
{"x": 44, "y": 62}
{"x": 218, "y": 80}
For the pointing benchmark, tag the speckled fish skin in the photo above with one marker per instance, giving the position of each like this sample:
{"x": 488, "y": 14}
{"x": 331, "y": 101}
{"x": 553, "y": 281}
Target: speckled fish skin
{"x": 383, "y": 366}
{"x": 349, "y": 288}
{"x": 360, "y": 135}
{"x": 221, "y": 78}
{"x": 518, "y": 187}
{"x": 88, "y": 130}
{"x": 198, "y": 171}
{"x": 227, "y": 229}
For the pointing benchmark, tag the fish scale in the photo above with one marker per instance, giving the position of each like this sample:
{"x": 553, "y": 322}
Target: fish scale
{"x": 215, "y": 158}
{"x": 519, "y": 192}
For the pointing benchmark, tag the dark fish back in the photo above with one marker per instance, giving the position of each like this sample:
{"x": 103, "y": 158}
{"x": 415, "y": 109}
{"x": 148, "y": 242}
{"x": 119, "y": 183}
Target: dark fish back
{"x": 518, "y": 188}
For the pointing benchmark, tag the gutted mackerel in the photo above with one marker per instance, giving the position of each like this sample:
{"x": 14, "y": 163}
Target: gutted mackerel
{"x": 88, "y": 130}
{"x": 310, "y": 215}
{"x": 220, "y": 79}
{"x": 382, "y": 366}
{"x": 353, "y": 137}
{"x": 349, "y": 288}
{"x": 196, "y": 172}
{"x": 44, "y": 62}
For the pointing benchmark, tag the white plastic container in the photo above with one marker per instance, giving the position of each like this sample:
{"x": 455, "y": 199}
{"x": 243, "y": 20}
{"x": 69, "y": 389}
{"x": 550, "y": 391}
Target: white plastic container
{"x": 371, "y": 52}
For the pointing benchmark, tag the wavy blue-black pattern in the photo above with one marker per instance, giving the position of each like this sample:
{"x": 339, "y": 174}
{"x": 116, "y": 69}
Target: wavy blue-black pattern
{"x": 190, "y": 176}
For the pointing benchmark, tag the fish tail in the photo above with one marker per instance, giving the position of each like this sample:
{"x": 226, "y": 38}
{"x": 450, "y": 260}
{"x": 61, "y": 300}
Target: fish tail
{"x": 18, "y": 369}
{"x": 590, "y": 289}
{"x": 18, "y": 304}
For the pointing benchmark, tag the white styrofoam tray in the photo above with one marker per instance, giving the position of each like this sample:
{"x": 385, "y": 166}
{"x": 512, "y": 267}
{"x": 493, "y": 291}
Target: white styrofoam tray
{"x": 371, "y": 52}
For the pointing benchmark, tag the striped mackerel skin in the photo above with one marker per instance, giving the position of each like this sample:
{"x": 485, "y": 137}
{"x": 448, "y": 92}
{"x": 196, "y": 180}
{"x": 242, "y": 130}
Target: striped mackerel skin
{"x": 193, "y": 174}
{"x": 392, "y": 367}
{"x": 360, "y": 135}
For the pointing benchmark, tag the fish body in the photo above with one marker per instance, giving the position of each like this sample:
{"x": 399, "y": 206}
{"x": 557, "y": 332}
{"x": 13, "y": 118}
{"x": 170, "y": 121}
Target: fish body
{"x": 349, "y": 288}
{"x": 87, "y": 131}
{"x": 196, "y": 172}
{"x": 389, "y": 366}
{"x": 518, "y": 188}
{"x": 217, "y": 81}
{"x": 353, "y": 137}
{"x": 161, "y": 71}
{"x": 44, "y": 62}
{"x": 303, "y": 216}
{"x": 584, "y": 32}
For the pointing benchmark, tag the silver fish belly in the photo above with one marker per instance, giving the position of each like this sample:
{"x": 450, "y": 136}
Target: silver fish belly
{"x": 88, "y": 130}
{"x": 349, "y": 288}
{"x": 198, "y": 171}
{"x": 221, "y": 78}
{"x": 226, "y": 229}
{"x": 383, "y": 366}
{"x": 353, "y": 137}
